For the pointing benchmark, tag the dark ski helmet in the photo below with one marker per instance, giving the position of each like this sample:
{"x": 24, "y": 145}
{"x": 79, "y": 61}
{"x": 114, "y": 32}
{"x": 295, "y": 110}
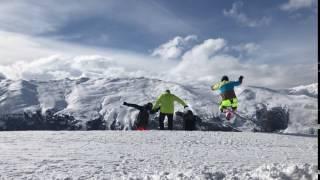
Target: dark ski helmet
{"x": 167, "y": 91}
{"x": 224, "y": 78}
{"x": 149, "y": 106}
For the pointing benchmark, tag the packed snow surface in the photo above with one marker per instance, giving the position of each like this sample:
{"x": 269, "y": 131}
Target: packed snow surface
{"x": 156, "y": 155}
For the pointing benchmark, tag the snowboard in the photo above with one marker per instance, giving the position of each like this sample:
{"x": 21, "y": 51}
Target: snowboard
{"x": 228, "y": 118}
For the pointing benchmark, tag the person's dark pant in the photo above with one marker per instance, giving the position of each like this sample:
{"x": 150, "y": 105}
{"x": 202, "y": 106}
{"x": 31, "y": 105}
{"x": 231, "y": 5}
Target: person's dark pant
{"x": 189, "y": 125}
{"x": 170, "y": 120}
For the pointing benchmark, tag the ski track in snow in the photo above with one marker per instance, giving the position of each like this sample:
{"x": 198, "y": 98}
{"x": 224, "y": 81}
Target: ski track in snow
{"x": 156, "y": 155}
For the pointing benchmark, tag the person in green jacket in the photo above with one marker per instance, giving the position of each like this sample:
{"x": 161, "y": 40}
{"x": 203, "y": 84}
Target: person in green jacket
{"x": 166, "y": 103}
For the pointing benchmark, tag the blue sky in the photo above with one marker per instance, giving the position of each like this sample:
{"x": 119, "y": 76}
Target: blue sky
{"x": 154, "y": 22}
{"x": 278, "y": 32}
{"x": 143, "y": 25}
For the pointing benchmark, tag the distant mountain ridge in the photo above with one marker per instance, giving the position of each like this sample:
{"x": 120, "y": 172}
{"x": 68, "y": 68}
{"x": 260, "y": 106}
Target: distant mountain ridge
{"x": 100, "y": 99}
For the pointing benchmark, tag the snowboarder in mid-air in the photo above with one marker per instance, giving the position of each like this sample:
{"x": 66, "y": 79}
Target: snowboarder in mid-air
{"x": 166, "y": 103}
{"x": 142, "y": 120}
{"x": 229, "y": 102}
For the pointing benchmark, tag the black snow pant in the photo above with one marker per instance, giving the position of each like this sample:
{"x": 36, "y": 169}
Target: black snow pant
{"x": 161, "y": 120}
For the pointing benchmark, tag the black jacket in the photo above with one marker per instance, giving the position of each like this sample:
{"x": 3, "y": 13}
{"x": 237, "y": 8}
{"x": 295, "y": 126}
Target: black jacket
{"x": 143, "y": 116}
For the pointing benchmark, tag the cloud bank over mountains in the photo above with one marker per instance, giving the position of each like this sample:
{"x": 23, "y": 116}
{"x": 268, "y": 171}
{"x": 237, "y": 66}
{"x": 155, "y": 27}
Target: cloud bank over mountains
{"x": 173, "y": 49}
{"x": 195, "y": 61}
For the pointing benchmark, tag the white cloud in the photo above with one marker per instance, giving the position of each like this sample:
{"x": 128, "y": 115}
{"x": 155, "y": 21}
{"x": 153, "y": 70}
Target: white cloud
{"x": 18, "y": 47}
{"x": 40, "y": 17}
{"x": 14, "y": 47}
{"x": 32, "y": 17}
{"x": 245, "y": 49}
{"x": 205, "y": 62}
{"x": 174, "y": 48}
{"x": 60, "y": 67}
{"x": 111, "y": 65}
{"x": 292, "y": 5}
{"x": 249, "y": 47}
{"x": 27, "y": 57}
{"x": 242, "y": 18}
{"x": 205, "y": 50}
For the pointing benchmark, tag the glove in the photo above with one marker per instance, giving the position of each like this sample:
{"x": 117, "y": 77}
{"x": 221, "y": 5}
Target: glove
{"x": 185, "y": 106}
{"x": 125, "y": 103}
{"x": 240, "y": 78}
{"x": 155, "y": 110}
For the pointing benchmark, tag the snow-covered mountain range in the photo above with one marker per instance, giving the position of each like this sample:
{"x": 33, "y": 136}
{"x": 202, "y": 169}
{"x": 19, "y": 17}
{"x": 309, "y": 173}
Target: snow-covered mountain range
{"x": 100, "y": 99}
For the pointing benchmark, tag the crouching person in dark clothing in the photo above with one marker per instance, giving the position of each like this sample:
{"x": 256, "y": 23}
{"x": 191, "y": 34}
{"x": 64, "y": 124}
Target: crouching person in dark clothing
{"x": 189, "y": 120}
{"x": 142, "y": 120}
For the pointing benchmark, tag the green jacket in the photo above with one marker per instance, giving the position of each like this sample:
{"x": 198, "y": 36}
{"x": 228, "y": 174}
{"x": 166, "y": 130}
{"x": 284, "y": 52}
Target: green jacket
{"x": 166, "y": 103}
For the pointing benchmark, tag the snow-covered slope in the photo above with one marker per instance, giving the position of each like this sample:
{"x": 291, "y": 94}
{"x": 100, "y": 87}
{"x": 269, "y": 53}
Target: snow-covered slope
{"x": 17, "y": 96}
{"x": 156, "y": 155}
{"x": 309, "y": 90}
{"x": 302, "y": 108}
{"x": 2, "y": 76}
{"x": 89, "y": 99}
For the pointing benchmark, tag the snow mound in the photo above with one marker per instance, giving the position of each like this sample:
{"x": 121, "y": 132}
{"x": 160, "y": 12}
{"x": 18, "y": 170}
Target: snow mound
{"x": 156, "y": 155}
{"x": 264, "y": 172}
{"x": 284, "y": 171}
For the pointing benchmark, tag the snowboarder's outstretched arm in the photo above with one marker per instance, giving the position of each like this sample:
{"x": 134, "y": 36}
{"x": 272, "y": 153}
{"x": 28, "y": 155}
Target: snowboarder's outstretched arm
{"x": 239, "y": 82}
{"x": 215, "y": 86}
{"x": 133, "y": 105}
